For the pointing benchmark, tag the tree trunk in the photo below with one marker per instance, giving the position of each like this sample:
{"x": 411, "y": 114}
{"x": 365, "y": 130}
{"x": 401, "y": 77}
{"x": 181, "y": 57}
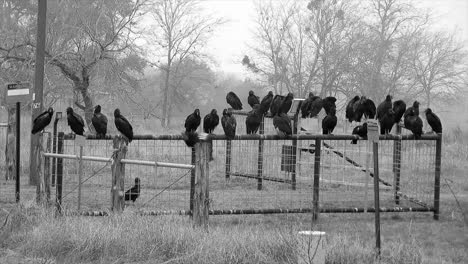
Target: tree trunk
{"x": 88, "y": 107}
{"x": 428, "y": 99}
{"x": 10, "y": 149}
{"x": 165, "y": 99}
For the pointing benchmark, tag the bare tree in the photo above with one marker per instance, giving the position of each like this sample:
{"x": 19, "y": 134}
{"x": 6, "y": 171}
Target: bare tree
{"x": 181, "y": 31}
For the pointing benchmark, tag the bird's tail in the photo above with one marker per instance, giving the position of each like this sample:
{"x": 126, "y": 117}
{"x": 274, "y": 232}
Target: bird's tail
{"x": 190, "y": 138}
{"x": 354, "y": 141}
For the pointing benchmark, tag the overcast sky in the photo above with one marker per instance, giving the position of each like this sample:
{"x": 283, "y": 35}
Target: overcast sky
{"x": 229, "y": 44}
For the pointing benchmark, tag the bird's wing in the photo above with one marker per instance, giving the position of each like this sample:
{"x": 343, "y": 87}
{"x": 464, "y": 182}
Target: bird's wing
{"x": 41, "y": 115}
{"x": 78, "y": 118}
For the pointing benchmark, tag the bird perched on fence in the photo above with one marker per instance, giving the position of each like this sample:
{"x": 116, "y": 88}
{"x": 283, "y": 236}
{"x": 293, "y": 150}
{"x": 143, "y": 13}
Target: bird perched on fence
{"x": 282, "y": 124}
{"x": 229, "y": 124}
{"x": 134, "y": 192}
{"x": 413, "y": 122}
{"x": 329, "y": 103}
{"x": 383, "y": 107}
{"x": 253, "y": 120}
{"x": 75, "y": 121}
{"x": 233, "y": 100}
{"x": 276, "y": 104}
{"x": 99, "y": 121}
{"x": 306, "y": 104}
{"x": 122, "y": 125}
{"x": 433, "y": 121}
{"x": 360, "y": 131}
{"x": 191, "y": 124}
{"x": 210, "y": 121}
{"x": 364, "y": 107}
{"x": 412, "y": 110}
{"x": 329, "y": 121}
{"x": 252, "y": 99}
{"x": 387, "y": 121}
{"x": 350, "y": 108}
{"x": 266, "y": 102}
{"x": 316, "y": 106}
{"x": 286, "y": 103}
{"x": 399, "y": 107}
{"x": 42, "y": 120}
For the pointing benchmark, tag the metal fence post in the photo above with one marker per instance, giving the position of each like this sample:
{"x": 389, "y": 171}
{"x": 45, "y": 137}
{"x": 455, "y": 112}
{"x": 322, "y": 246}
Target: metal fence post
{"x": 397, "y": 165}
{"x": 315, "y": 197}
{"x": 260, "y": 157}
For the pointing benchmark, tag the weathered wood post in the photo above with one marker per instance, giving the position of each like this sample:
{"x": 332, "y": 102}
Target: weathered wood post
{"x": 47, "y": 168}
{"x": 192, "y": 181}
{"x": 294, "y": 145}
{"x": 58, "y": 195}
{"x": 10, "y": 148}
{"x": 201, "y": 203}
{"x": 81, "y": 142}
{"x": 316, "y": 187}
{"x": 40, "y": 184}
{"x": 438, "y": 164}
{"x": 397, "y": 165}
{"x": 118, "y": 174}
{"x": 376, "y": 196}
{"x": 260, "y": 156}
{"x": 228, "y": 158}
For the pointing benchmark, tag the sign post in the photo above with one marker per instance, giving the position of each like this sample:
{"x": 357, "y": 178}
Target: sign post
{"x": 373, "y": 135}
{"x": 17, "y": 93}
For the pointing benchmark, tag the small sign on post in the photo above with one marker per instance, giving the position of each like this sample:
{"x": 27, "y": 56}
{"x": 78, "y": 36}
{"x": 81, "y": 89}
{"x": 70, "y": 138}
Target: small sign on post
{"x": 372, "y": 130}
{"x": 18, "y": 93}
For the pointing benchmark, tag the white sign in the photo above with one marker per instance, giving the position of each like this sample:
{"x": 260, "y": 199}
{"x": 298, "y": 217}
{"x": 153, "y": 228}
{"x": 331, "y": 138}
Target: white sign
{"x": 18, "y": 93}
{"x": 372, "y": 130}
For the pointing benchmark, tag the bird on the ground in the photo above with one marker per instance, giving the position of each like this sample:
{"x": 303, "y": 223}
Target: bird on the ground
{"x": 387, "y": 121}
{"x": 233, "y": 100}
{"x": 210, "y": 121}
{"x": 134, "y": 192}
{"x": 413, "y": 122}
{"x": 252, "y": 99}
{"x": 306, "y": 104}
{"x": 266, "y": 102}
{"x": 329, "y": 121}
{"x": 122, "y": 125}
{"x": 286, "y": 104}
{"x": 253, "y": 120}
{"x": 75, "y": 121}
{"x": 282, "y": 124}
{"x": 412, "y": 110}
{"x": 350, "y": 108}
{"x": 433, "y": 121}
{"x": 364, "y": 107}
{"x": 42, "y": 120}
{"x": 192, "y": 122}
{"x": 361, "y": 131}
{"x": 329, "y": 103}
{"x": 383, "y": 107}
{"x": 399, "y": 107}
{"x": 229, "y": 124}
{"x": 276, "y": 104}
{"x": 99, "y": 121}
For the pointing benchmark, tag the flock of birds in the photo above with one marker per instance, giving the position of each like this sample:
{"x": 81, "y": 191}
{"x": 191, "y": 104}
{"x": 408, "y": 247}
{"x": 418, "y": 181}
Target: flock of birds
{"x": 387, "y": 113}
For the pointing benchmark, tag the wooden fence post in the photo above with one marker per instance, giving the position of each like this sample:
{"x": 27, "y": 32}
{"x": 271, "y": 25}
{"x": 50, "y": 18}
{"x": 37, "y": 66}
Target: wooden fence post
{"x": 260, "y": 156}
{"x": 10, "y": 148}
{"x": 376, "y": 196}
{"x": 294, "y": 146}
{"x": 438, "y": 164}
{"x": 228, "y": 158}
{"x": 40, "y": 183}
{"x": 47, "y": 168}
{"x": 118, "y": 175}
{"x": 192, "y": 181}
{"x": 397, "y": 165}
{"x": 201, "y": 196}
{"x": 58, "y": 194}
{"x": 315, "y": 196}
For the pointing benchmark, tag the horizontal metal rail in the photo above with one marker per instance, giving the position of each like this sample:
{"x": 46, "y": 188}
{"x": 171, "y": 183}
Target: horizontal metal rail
{"x": 3, "y": 124}
{"x": 266, "y": 137}
{"x": 125, "y": 161}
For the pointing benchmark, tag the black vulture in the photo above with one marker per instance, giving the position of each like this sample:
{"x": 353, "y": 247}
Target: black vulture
{"x": 282, "y": 124}
{"x": 266, "y": 102}
{"x": 329, "y": 122}
{"x": 316, "y": 106}
{"x": 191, "y": 124}
{"x": 329, "y": 103}
{"x": 306, "y": 104}
{"x": 383, "y": 107}
{"x": 75, "y": 121}
{"x": 210, "y": 121}
{"x": 286, "y": 104}
{"x": 233, "y": 100}
{"x": 99, "y": 121}
{"x": 253, "y": 120}
{"x": 360, "y": 131}
{"x": 42, "y": 120}
{"x": 252, "y": 99}
{"x": 229, "y": 124}
{"x": 433, "y": 121}
{"x": 122, "y": 125}
{"x": 387, "y": 121}
{"x": 399, "y": 107}
{"x": 276, "y": 104}
{"x": 412, "y": 110}
{"x": 134, "y": 192}
{"x": 415, "y": 124}
{"x": 350, "y": 108}
{"x": 364, "y": 107}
